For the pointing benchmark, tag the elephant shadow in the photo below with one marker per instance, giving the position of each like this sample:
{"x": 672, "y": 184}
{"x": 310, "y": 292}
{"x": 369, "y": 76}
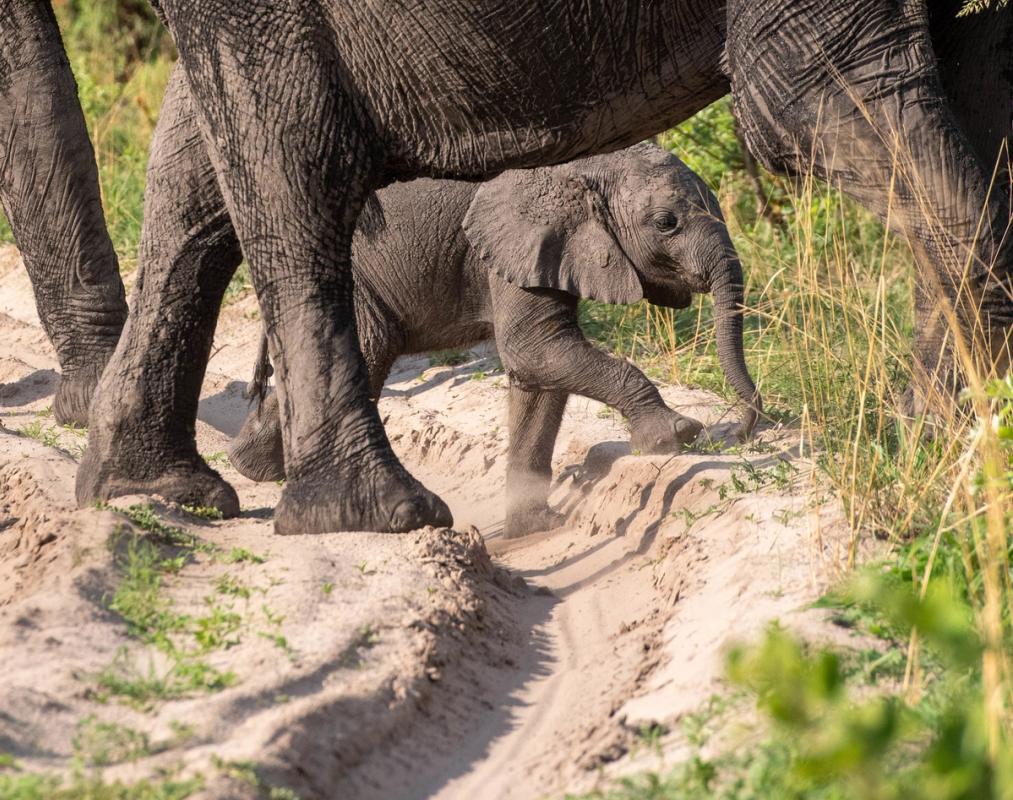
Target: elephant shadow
{"x": 226, "y": 410}
{"x": 33, "y": 386}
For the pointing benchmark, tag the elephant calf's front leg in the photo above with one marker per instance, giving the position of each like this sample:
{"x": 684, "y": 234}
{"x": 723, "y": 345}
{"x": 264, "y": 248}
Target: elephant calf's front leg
{"x": 545, "y": 353}
{"x": 542, "y": 347}
{"x": 535, "y": 417}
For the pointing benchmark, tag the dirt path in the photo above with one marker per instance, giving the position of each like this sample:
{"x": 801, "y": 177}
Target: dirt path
{"x": 491, "y": 689}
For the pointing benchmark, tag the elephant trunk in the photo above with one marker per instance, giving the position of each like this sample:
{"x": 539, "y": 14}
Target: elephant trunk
{"x": 956, "y": 221}
{"x": 877, "y": 123}
{"x": 727, "y": 288}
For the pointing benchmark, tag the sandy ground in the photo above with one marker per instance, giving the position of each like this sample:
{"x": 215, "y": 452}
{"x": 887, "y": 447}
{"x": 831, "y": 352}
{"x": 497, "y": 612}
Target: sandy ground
{"x": 448, "y": 664}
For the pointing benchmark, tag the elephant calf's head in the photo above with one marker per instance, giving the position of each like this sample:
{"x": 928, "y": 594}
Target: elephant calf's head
{"x": 617, "y": 228}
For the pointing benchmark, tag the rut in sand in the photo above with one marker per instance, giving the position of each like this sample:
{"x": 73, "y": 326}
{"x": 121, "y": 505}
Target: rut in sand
{"x": 410, "y": 666}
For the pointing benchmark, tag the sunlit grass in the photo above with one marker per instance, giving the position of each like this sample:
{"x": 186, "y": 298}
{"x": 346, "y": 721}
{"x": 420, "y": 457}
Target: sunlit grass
{"x": 828, "y": 340}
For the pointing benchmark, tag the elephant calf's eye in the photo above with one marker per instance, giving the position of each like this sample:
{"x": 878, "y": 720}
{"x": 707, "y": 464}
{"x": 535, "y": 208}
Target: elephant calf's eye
{"x": 666, "y": 222}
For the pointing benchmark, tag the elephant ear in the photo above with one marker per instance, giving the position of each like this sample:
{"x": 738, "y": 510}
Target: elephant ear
{"x": 551, "y": 229}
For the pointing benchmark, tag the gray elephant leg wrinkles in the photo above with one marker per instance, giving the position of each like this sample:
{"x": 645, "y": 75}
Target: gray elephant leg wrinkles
{"x": 257, "y": 451}
{"x": 535, "y": 417}
{"x": 49, "y": 190}
{"x": 975, "y": 55}
{"x": 543, "y": 348}
{"x": 902, "y": 153}
{"x": 316, "y": 150}
{"x": 143, "y": 416}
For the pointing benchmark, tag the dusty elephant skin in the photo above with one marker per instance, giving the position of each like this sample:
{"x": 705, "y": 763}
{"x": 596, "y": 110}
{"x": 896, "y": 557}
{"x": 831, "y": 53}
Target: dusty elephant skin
{"x": 50, "y": 193}
{"x": 299, "y": 135}
{"x": 612, "y": 228}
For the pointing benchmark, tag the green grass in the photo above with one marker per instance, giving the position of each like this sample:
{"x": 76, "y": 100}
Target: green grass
{"x": 100, "y": 744}
{"x": 146, "y": 562}
{"x": 93, "y": 787}
{"x": 209, "y": 513}
{"x": 449, "y": 358}
{"x": 240, "y": 286}
{"x": 51, "y": 436}
{"x": 229, "y": 585}
{"x": 144, "y": 517}
{"x": 239, "y": 555}
{"x": 249, "y": 773}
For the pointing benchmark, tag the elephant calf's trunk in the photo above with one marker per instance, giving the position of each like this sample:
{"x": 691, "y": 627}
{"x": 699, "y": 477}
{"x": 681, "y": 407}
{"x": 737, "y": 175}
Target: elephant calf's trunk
{"x": 727, "y": 289}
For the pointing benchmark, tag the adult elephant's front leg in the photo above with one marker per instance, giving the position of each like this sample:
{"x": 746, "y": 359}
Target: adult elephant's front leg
{"x": 296, "y": 159}
{"x": 145, "y": 409}
{"x": 50, "y": 191}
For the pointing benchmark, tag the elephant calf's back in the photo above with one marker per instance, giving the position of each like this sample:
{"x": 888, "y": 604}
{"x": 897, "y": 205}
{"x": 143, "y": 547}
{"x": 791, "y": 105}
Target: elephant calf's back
{"x": 412, "y": 260}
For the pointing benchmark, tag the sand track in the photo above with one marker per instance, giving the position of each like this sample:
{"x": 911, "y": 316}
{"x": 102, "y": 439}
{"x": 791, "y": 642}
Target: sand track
{"x": 522, "y": 677}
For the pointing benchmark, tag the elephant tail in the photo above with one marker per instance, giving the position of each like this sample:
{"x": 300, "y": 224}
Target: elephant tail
{"x": 256, "y": 389}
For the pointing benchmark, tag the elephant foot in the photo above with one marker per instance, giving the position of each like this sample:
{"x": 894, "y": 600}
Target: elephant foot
{"x": 664, "y": 431}
{"x": 527, "y": 519}
{"x": 73, "y": 395}
{"x": 190, "y": 482}
{"x": 257, "y": 450}
{"x": 385, "y": 499}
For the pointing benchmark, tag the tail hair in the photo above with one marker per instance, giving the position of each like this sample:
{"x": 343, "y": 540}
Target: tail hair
{"x": 256, "y": 389}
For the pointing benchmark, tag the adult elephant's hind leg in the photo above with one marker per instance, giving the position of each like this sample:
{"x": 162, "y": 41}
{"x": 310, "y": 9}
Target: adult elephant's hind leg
{"x": 144, "y": 413}
{"x": 297, "y": 159}
{"x": 258, "y": 451}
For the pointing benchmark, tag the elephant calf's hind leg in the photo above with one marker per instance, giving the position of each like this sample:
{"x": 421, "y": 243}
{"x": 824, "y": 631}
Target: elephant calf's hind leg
{"x": 535, "y": 417}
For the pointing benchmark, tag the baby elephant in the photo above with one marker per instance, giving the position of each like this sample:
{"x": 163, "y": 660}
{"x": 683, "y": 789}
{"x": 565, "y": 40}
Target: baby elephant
{"x": 441, "y": 264}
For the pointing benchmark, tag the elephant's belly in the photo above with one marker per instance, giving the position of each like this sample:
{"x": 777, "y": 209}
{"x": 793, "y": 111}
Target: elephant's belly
{"x": 452, "y": 337}
{"x": 465, "y": 88}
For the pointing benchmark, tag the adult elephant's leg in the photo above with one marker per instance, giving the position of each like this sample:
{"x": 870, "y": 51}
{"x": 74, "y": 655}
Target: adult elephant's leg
{"x": 297, "y": 158}
{"x": 976, "y": 69}
{"x": 975, "y": 63}
{"x": 49, "y": 190}
{"x": 852, "y": 91}
{"x": 542, "y": 347}
{"x": 535, "y": 417}
{"x": 257, "y": 452}
{"x": 145, "y": 409}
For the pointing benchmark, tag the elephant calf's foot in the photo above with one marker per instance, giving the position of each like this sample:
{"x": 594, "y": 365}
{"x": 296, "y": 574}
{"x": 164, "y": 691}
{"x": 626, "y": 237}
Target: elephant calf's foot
{"x": 257, "y": 450}
{"x": 375, "y": 498}
{"x": 73, "y": 395}
{"x": 191, "y": 482}
{"x": 663, "y": 432}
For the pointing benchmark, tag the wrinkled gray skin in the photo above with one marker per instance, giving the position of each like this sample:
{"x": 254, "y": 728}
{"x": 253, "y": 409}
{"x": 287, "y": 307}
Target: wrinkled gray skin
{"x": 976, "y": 65}
{"x": 307, "y": 107}
{"x": 421, "y": 283}
{"x": 50, "y": 193}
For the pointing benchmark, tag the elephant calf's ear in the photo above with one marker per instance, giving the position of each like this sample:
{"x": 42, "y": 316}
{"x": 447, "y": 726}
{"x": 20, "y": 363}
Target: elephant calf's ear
{"x": 537, "y": 230}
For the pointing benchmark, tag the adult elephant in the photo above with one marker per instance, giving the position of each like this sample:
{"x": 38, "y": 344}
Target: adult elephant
{"x": 49, "y": 190}
{"x": 306, "y": 107}
{"x": 975, "y": 54}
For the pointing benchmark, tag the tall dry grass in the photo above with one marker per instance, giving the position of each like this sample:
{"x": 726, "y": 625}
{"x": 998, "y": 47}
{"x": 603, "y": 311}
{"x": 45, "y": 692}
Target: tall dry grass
{"x": 831, "y": 319}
